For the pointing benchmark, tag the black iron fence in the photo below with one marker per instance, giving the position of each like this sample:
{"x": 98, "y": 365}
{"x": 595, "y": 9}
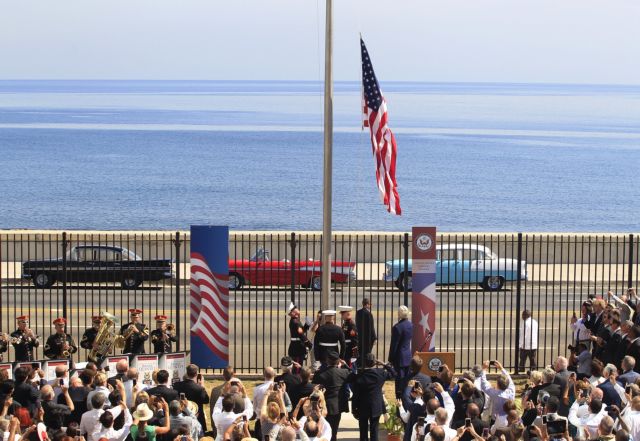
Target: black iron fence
{"x": 485, "y": 281}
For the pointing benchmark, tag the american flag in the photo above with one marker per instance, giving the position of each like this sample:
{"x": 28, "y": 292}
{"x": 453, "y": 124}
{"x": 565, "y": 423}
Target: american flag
{"x": 383, "y": 142}
{"x": 209, "y": 306}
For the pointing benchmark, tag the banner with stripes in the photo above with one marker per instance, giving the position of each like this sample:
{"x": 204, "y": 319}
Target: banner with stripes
{"x": 210, "y": 296}
{"x": 424, "y": 302}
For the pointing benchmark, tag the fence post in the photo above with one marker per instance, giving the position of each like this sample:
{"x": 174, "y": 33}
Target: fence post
{"x": 630, "y": 271}
{"x": 178, "y": 312}
{"x": 293, "y": 269}
{"x": 518, "y": 293}
{"x": 405, "y": 282}
{"x": 64, "y": 274}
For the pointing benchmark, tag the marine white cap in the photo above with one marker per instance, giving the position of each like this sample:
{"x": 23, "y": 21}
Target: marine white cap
{"x": 343, "y": 308}
{"x": 329, "y": 312}
{"x": 291, "y": 308}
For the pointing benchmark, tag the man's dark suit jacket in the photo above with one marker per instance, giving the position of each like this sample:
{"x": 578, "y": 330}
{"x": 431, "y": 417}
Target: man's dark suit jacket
{"x": 196, "y": 393}
{"x": 336, "y": 396}
{"x": 367, "y": 391}
{"x": 28, "y": 396}
{"x": 400, "y": 347}
{"x": 165, "y": 392}
{"x": 366, "y": 331}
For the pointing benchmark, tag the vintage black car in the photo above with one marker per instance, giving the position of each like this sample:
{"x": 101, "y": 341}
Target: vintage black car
{"x": 97, "y": 264}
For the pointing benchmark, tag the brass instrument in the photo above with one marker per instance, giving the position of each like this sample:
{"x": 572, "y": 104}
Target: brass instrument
{"x": 106, "y": 338}
{"x": 128, "y": 333}
{"x": 62, "y": 342}
{"x": 171, "y": 327}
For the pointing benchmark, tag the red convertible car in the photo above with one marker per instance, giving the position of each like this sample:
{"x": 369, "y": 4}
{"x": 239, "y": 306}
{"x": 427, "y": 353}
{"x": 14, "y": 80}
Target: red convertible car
{"x": 260, "y": 270}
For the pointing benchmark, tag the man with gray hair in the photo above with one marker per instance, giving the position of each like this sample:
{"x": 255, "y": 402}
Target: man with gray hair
{"x": 400, "y": 348}
{"x": 505, "y": 390}
{"x": 180, "y": 415}
{"x": 629, "y": 376}
{"x": 54, "y": 414}
{"x": 612, "y": 392}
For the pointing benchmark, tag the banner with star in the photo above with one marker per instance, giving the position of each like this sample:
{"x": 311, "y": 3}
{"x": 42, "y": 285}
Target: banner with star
{"x": 423, "y": 271}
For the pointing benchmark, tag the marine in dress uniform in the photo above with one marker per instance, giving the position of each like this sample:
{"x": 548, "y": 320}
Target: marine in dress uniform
{"x": 329, "y": 337}
{"x": 162, "y": 337}
{"x": 90, "y": 334}
{"x": 350, "y": 333}
{"x": 24, "y": 340}
{"x": 136, "y": 333}
{"x": 299, "y": 343}
{"x": 60, "y": 346}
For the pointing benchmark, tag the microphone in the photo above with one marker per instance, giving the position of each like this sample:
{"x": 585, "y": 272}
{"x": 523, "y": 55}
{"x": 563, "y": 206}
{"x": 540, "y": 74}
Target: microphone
{"x": 425, "y": 341}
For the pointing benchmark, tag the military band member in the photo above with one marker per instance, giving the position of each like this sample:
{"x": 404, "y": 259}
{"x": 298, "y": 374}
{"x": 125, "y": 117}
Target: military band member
{"x": 329, "y": 337}
{"x": 163, "y": 335}
{"x": 24, "y": 340}
{"x": 60, "y": 345}
{"x": 350, "y": 333}
{"x": 299, "y": 343}
{"x": 90, "y": 334}
{"x": 135, "y": 333}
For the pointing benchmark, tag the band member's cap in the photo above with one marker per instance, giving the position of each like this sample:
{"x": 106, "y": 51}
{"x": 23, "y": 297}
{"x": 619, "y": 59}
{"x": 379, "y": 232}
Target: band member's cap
{"x": 161, "y": 318}
{"x": 135, "y": 311}
{"x": 291, "y": 308}
{"x": 343, "y": 308}
{"x": 96, "y": 318}
{"x": 329, "y": 312}
{"x": 286, "y": 362}
{"x": 60, "y": 321}
{"x": 23, "y": 318}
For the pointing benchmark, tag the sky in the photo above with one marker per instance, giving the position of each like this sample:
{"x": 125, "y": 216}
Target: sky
{"x": 547, "y": 41}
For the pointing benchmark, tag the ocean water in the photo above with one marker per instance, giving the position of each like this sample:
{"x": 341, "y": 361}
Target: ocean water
{"x": 168, "y": 154}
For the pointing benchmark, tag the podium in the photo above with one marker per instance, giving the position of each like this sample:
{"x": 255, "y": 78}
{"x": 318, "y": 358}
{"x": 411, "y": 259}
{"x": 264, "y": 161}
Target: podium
{"x": 9, "y": 368}
{"x": 111, "y": 362}
{"x": 431, "y": 361}
{"x": 176, "y": 364}
{"x": 146, "y": 365}
{"x": 49, "y": 368}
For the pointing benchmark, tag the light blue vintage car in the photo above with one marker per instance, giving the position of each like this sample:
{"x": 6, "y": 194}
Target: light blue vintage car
{"x": 462, "y": 264}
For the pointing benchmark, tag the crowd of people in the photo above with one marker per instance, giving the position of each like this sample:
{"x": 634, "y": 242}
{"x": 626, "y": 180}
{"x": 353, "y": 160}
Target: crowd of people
{"x": 593, "y": 394}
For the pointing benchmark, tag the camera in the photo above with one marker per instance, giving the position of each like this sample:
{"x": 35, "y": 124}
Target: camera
{"x": 233, "y": 383}
{"x": 492, "y": 363}
{"x": 182, "y": 396}
{"x": 467, "y": 422}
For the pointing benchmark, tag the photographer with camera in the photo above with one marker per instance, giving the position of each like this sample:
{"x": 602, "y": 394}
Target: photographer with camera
{"x": 313, "y": 409}
{"x": 586, "y": 413}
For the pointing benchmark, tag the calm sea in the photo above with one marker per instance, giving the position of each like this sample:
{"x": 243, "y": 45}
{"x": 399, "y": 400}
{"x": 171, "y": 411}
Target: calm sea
{"x": 164, "y": 155}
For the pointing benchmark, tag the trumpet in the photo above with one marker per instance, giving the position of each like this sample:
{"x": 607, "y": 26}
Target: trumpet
{"x": 171, "y": 328}
{"x": 129, "y": 332}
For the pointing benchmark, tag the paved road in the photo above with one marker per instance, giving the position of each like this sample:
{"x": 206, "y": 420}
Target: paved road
{"x": 476, "y": 325}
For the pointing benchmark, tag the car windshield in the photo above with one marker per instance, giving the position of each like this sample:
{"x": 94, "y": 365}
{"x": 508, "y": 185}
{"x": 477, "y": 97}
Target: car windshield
{"x": 261, "y": 255}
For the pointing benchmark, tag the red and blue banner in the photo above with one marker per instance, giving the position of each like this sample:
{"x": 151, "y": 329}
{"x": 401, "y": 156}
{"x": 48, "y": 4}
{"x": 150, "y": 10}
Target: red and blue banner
{"x": 423, "y": 296}
{"x": 210, "y": 296}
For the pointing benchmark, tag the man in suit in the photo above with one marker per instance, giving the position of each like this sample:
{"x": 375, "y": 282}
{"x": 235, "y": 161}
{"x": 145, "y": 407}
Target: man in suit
{"x": 366, "y": 330}
{"x": 610, "y": 395}
{"x": 415, "y": 374}
{"x": 193, "y": 389}
{"x": 336, "y": 395}
{"x": 162, "y": 389}
{"x": 368, "y": 402}
{"x": 595, "y": 321}
{"x": 633, "y": 349}
{"x": 400, "y": 348}
{"x": 629, "y": 376}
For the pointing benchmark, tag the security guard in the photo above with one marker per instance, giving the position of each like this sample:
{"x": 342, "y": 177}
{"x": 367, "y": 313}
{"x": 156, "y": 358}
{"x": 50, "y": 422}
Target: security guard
{"x": 350, "y": 333}
{"x": 161, "y": 337}
{"x": 329, "y": 337}
{"x": 24, "y": 340}
{"x": 299, "y": 343}
{"x": 60, "y": 345}
{"x": 90, "y": 334}
{"x": 135, "y": 333}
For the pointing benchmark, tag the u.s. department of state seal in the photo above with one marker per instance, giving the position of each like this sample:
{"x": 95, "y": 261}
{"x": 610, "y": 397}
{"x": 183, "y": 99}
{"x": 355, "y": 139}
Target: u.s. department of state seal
{"x": 424, "y": 242}
{"x": 435, "y": 363}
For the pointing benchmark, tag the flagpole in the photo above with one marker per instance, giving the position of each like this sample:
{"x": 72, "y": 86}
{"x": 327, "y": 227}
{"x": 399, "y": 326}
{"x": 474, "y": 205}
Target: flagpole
{"x": 328, "y": 158}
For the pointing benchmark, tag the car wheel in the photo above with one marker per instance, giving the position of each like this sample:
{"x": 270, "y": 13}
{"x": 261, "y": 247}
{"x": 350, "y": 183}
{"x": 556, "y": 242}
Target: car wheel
{"x": 235, "y": 281}
{"x": 43, "y": 280}
{"x": 130, "y": 283}
{"x": 492, "y": 283}
{"x": 400, "y": 281}
{"x": 316, "y": 283}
